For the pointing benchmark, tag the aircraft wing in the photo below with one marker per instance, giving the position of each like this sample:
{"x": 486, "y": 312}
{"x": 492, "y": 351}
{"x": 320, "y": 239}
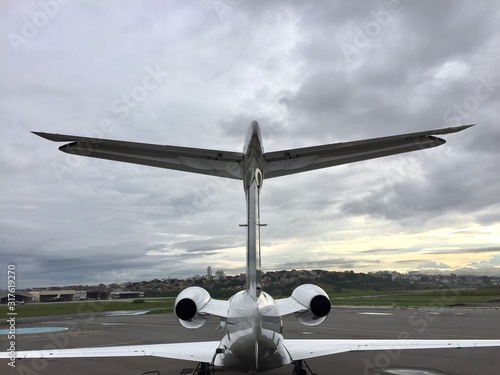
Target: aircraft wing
{"x": 210, "y": 162}
{"x": 216, "y": 307}
{"x": 190, "y": 351}
{"x": 285, "y": 162}
{"x": 228, "y": 164}
{"x": 205, "y": 351}
{"x": 289, "y": 305}
{"x": 304, "y": 349}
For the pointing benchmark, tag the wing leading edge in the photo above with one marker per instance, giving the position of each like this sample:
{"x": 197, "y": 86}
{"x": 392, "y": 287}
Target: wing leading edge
{"x": 304, "y": 349}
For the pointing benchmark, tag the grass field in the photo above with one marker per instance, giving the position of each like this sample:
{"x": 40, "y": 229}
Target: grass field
{"x": 88, "y": 307}
{"x": 432, "y": 298}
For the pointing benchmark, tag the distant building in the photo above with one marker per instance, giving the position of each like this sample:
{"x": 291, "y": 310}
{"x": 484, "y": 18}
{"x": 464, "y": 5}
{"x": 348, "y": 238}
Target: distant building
{"x": 126, "y": 294}
{"x": 60, "y": 295}
{"x": 209, "y": 271}
{"x": 81, "y": 295}
{"x": 219, "y": 274}
{"x": 20, "y": 296}
{"x": 90, "y": 295}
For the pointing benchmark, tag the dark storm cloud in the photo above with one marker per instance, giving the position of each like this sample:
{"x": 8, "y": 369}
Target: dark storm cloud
{"x": 386, "y": 251}
{"x": 453, "y": 251}
{"x": 438, "y": 193}
{"x": 463, "y": 250}
{"x": 340, "y": 263}
{"x": 197, "y": 247}
{"x": 410, "y": 262}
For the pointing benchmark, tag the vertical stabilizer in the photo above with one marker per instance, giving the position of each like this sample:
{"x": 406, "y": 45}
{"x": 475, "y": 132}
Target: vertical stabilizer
{"x": 252, "y": 180}
{"x": 253, "y": 240}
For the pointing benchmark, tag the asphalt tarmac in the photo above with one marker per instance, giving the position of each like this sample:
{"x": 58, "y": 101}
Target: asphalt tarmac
{"x": 104, "y": 329}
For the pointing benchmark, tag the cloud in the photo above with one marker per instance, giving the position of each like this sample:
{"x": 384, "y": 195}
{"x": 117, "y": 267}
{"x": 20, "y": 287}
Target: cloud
{"x": 463, "y": 250}
{"x": 178, "y": 74}
{"x": 494, "y": 261}
{"x": 338, "y": 263}
{"x": 431, "y": 264}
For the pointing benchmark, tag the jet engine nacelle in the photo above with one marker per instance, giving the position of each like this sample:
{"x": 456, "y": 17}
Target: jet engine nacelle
{"x": 317, "y": 301}
{"x": 188, "y": 304}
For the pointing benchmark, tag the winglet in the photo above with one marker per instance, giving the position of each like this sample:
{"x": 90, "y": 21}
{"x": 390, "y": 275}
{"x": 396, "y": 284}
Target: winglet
{"x": 463, "y": 127}
{"x": 453, "y": 129}
{"x": 54, "y": 137}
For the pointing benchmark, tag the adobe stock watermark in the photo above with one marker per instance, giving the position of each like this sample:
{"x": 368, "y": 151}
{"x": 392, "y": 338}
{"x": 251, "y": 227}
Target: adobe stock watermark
{"x": 459, "y": 112}
{"x": 363, "y": 36}
{"x": 407, "y": 168}
{"x": 86, "y": 311}
{"x": 224, "y": 8}
{"x": 202, "y": 196}
{"x": 419, "y": 319}
{"x": 61, "y": 340}
{"x": 121, "y": 108}
{"x": 31, "y": 26}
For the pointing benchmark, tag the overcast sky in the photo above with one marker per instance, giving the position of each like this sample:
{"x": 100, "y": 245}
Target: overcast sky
{"x": 196, "y": 73}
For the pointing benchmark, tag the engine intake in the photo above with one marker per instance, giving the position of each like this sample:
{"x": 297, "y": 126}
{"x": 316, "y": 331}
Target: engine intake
{"x": 317, "y": 302}
{"x": 188, "y": 304}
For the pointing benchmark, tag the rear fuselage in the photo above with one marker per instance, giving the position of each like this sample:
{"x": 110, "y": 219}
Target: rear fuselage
{"x": 252, "y": 335}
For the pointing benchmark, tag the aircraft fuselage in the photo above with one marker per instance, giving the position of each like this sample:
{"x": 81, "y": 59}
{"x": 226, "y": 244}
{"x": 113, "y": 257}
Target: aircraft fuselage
{"x": 252, "y": 335}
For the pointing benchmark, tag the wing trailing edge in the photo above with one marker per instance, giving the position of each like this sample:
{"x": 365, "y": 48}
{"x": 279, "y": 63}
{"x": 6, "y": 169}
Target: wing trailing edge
{"x": 304, "y": 349}
{"x": 190, "y": 351}
{"x": 205, "y": 351}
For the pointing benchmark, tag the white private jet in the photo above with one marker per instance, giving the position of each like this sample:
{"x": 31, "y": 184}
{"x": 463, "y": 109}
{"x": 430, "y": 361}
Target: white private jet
{"x": 251, "y": 321}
